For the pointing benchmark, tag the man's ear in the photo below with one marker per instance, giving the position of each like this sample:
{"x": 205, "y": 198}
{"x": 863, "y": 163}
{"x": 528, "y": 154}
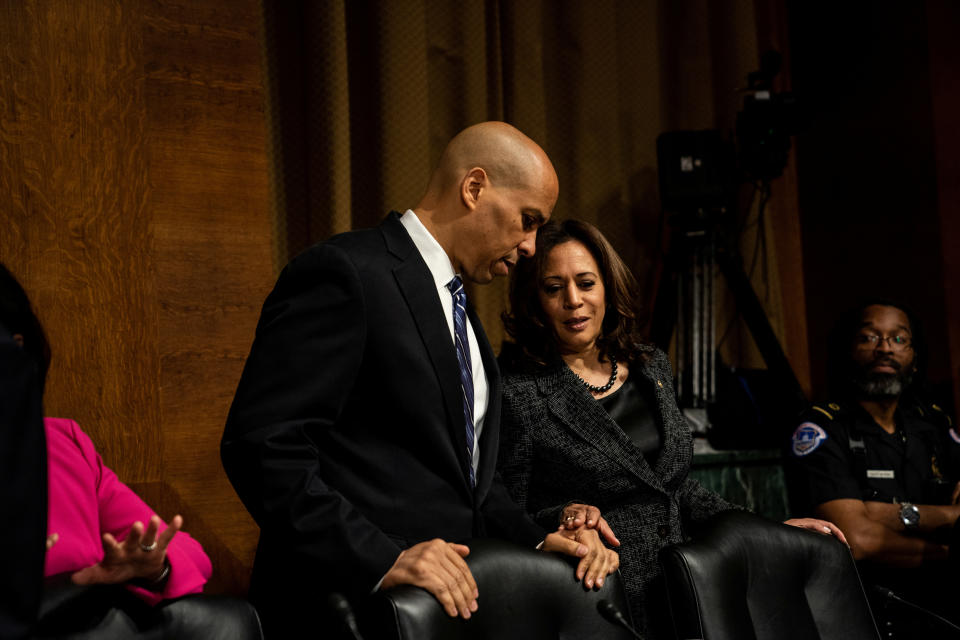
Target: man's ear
{"x": 472, "y": 187}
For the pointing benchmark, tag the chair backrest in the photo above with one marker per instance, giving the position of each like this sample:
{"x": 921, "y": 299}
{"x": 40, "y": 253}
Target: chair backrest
{"x": 745, "y": 577}
{"x": 104, "y": 612}
{"x": 524, "y": 594}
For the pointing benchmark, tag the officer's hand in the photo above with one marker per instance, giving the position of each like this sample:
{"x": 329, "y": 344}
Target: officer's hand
{"x": 438, "y": 567}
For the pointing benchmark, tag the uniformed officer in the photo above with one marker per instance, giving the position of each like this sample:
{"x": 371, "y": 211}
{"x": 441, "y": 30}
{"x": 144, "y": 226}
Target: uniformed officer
{"x": 845, "y": 454}
{"x": 879, "y": 464}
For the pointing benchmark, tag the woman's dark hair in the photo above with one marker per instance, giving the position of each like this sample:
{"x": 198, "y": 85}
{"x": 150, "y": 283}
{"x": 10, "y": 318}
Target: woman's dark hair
{"x": 840, "y": 367}
{"x": 17, "y": 316}
{"x": 525, "y": 321}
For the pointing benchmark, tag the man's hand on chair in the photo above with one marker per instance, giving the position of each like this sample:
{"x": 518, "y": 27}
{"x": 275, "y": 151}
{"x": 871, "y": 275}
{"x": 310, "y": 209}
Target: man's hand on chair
{"x": 438, "y": 567}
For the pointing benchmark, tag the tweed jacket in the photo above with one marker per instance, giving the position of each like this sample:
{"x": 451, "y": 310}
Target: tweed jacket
{"x": 559, "y": 444}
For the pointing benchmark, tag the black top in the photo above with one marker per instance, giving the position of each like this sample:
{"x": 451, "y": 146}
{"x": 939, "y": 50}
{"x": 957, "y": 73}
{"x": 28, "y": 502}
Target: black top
{"x": 629, "y": 407}
{"x": 558, "y": 443}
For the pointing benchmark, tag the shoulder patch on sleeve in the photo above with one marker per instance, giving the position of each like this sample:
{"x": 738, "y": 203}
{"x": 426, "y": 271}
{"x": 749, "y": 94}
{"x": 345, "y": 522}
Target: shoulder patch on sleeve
{"x": 807, "y": 438}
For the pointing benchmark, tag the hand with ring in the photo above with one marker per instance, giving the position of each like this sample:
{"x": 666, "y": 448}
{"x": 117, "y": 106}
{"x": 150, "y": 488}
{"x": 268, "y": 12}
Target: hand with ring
{"x": 576, "y": 515}
{"x": 52, "y": 540}
{"x": 141, "y": 555}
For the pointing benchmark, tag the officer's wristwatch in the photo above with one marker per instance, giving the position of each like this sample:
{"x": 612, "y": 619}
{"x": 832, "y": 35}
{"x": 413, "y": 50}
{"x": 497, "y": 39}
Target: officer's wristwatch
{"x": 909, "y": 516}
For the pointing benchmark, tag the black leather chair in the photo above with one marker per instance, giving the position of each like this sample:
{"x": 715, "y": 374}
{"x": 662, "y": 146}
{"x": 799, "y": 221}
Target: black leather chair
{"x": 109, "y": 612}
{"x": 745, "y": 577}
{"x": 524, "y": 594}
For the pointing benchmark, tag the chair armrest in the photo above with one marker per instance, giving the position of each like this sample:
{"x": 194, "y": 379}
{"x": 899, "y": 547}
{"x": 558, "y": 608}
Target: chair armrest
{"x": 524, "y": 594}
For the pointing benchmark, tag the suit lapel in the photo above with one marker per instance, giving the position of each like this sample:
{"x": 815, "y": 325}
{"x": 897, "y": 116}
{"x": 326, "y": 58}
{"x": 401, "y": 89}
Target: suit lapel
{"x": 677, "y": 446}
{"x": 416, "y": 284}
{"x": 587, "y": 419}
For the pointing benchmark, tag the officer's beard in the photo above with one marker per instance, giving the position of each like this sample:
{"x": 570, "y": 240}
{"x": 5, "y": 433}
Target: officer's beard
{"x": 874, "y": 385}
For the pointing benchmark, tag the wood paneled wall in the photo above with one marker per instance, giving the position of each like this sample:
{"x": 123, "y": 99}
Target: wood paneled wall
{"x": 134, "y": 201}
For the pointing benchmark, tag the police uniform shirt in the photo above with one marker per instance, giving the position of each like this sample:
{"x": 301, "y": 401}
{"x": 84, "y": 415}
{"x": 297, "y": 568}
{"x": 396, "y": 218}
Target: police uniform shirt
{"x": 839, "y": 452}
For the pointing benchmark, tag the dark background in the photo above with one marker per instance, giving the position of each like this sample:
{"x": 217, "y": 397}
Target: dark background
{"x": 878, "y": 218}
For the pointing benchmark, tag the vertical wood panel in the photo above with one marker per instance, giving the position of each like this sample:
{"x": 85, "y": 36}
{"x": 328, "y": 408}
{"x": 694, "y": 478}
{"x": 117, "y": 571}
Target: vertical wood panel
{"x": 133, "y": 194}
{"x": 207, "y": 146}
{"x": 74, "y": 191}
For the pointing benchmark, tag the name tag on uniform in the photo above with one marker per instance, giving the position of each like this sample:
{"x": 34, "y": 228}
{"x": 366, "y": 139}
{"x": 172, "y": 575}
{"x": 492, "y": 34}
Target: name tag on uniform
{"x": 881, "y": 474}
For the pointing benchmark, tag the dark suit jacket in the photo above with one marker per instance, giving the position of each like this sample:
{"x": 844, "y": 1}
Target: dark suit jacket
{"x": 558, "y": 443}
{"x": 346, "y": 439}
{"x": 23, "y": 490}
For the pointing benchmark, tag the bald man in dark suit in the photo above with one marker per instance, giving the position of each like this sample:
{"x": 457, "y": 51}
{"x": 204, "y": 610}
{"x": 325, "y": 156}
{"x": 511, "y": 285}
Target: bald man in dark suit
{"x": 364, "y": 431}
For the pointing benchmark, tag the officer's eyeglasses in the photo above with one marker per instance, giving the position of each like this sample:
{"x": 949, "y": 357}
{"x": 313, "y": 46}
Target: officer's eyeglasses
{"x": 872, "y": 340}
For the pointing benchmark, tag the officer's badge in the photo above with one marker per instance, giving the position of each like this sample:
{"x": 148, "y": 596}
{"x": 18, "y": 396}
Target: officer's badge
{"x": 935, "y": 468}
{"x": 807, "y": 438}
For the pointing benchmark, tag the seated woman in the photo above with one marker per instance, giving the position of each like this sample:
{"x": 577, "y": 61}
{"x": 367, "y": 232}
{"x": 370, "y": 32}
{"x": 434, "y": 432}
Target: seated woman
{"x": 99, "y": 531}
{"x": 589, "y": 411}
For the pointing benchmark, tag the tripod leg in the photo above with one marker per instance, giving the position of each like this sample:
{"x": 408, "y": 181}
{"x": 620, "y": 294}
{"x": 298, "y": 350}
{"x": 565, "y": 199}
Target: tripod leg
{"x": 756, "y": 319}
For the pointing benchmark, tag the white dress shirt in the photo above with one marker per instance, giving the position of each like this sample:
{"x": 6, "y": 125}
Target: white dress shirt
{"x": 442, "y": 271}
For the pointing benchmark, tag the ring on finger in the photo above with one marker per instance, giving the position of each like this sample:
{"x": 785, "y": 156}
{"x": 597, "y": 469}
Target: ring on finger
{"x": 148, "y": 547}
{"x": 570, "y": 518}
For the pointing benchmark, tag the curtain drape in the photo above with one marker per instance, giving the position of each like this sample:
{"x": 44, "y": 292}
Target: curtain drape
{"x": 365, "y": 94}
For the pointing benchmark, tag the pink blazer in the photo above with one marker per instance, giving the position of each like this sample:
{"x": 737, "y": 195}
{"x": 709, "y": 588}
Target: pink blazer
{"x": 87, "y": 499}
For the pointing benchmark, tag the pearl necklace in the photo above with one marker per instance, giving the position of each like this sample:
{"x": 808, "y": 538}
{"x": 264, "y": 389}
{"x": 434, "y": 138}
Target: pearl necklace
{"x": 604, "y": 388}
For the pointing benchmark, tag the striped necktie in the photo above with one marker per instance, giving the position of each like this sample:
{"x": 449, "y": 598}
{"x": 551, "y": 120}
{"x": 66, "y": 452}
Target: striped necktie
{"x": 463, "y": 359}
